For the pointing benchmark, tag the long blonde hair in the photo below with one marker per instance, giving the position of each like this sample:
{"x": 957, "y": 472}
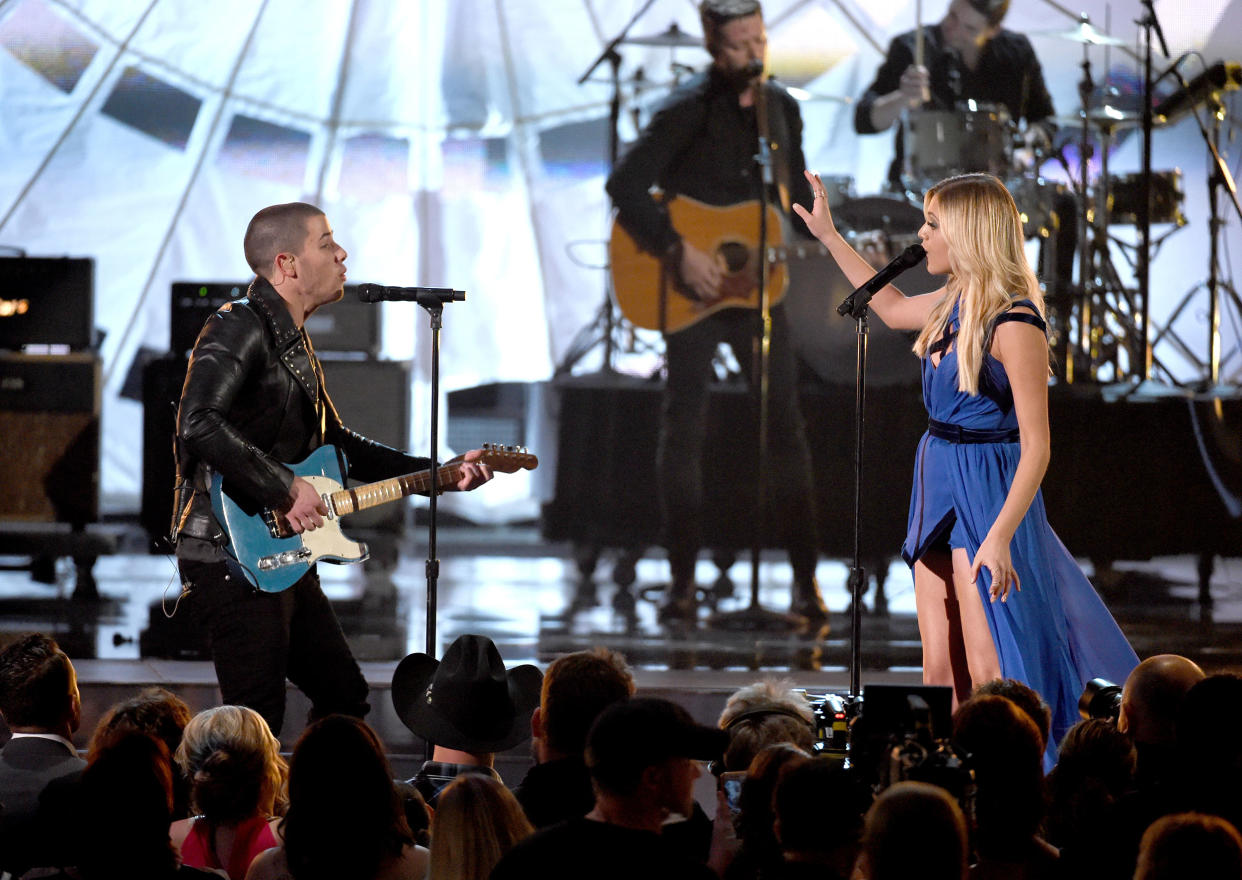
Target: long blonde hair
{"x": 988, "y": 269}
{"x": 477, "y": 820}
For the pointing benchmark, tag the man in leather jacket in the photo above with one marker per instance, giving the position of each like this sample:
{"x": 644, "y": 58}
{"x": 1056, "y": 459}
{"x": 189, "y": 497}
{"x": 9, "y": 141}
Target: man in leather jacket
{"x": 253, "y": 399}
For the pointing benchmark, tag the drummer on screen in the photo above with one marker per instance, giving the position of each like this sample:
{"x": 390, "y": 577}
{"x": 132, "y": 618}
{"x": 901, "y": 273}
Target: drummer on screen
{"x": 967, "y": 56}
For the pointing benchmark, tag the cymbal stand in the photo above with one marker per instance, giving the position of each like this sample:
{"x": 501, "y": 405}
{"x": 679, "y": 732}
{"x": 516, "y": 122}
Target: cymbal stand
{"x": 606, "y": 318}
{"x": 1219, "y": 178}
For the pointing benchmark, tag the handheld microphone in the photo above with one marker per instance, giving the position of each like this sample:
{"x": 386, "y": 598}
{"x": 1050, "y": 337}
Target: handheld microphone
{"x": 370, "y": 293}
{"x": 910, "y": 257}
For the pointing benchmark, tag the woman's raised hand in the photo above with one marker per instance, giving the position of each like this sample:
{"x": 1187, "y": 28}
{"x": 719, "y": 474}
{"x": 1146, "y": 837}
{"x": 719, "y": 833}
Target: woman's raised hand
{"x": 819, "y": 218}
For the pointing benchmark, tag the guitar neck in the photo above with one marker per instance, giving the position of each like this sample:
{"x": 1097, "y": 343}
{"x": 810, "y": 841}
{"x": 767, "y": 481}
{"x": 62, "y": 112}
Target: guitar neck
{"x": 383, "y": 491}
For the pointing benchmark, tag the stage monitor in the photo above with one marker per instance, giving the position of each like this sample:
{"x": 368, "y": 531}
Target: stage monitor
{"x": 46, "y": 303}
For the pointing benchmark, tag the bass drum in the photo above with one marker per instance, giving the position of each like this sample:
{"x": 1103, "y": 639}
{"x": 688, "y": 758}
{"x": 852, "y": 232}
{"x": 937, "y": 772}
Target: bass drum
{"x": 827, "y": 342}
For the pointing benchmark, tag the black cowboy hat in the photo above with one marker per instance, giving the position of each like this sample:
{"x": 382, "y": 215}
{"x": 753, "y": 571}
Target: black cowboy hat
{"x": 466, "y": 701}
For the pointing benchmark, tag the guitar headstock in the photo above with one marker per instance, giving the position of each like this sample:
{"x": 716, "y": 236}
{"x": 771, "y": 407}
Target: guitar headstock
{"x": 507, "y": 459}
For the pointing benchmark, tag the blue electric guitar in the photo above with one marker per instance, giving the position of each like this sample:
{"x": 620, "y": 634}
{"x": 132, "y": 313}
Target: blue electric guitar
{"x": 273, "y": 557}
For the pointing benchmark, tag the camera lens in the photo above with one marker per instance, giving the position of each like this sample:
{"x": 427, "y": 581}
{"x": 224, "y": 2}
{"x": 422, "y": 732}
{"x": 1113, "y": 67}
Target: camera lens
{"x": 1100, "y": 699}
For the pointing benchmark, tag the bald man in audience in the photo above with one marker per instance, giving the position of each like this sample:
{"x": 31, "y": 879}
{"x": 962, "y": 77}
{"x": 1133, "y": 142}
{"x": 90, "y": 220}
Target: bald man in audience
{"x": 1150, "y": 701}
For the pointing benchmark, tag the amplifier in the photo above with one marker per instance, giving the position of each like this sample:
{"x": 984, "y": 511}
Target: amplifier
{"x": 49, "y": 417}
{"x": 348, "y": 326}
{"x": 46, "y": 301}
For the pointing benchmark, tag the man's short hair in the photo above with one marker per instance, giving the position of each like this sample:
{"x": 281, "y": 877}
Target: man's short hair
{"x": 761, "y": 714}
{"x": 630, "y": 736}
{"x": 715, "y": 14}
{"x": 36, "y": 680}
{"x": 1024, "y": 697}
{"x": 276, "y": 229}
{"x": 576, "y": 688}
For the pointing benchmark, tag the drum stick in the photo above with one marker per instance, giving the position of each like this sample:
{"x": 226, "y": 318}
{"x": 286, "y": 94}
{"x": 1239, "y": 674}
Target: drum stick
{"x": 918, "y": 33}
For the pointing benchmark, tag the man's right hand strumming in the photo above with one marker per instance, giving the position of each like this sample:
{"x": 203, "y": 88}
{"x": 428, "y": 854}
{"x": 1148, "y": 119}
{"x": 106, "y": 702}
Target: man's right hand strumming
{"x": 306, "y": 508}
{"x": 700, "y": 272}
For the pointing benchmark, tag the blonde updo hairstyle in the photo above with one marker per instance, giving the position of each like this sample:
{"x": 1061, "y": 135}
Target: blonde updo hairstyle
{"x": 988, "y": 268}
{"x": 233, "y": 764}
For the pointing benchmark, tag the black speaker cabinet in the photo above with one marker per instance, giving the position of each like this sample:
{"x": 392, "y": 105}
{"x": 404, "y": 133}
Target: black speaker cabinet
{"x": 372, "y": 397}
{"x": 347, "y": 326}
{"x": 49, "y": 419}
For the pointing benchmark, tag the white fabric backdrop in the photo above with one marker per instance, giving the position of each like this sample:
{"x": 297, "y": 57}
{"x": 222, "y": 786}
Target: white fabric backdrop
{"x": 449, "y": 144}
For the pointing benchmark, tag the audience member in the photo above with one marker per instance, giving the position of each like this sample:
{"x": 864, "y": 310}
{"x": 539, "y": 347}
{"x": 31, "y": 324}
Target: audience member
{"x": 345, "y": 818}
{"x": 1025, "y": 698}
{"x": 467, "y": 705}
{"x": 914, "y": 829}
{"x": 576, "y": 688}
{"x": 641, "y": 753}
{"x": 1190, "y": 845}
{"x": 760, "y": 850}
{"x": 40, "y": 701}
{"x": 1210, "y": 749}
{"x": 124, "y": 810}
{"x": 159, "y": 713}
{"x": 761, "y": 714}
{"x": 1151, "y": 700}
{"x": 1094, "y": 770}
{"x": 1003, "y": 748}
{"x": 477, "y": 821}
{"x": 237, "y": 785}
{"x": 417, "y": 813}
{"x": 819, "y": 820}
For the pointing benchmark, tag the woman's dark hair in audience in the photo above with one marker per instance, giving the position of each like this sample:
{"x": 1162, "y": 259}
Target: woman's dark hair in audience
{"x": 1024, "y": 697}
{"x": 914, "y": 829}
{"x": 157, "y": 712}
{"x": 1190, "y": 845}
{"x": 126, "y": 807}
{"x": 1095, "y": 767}
{"x": 757, "y": 811}
{"x": 477, "y": 821}
{"x": 345, "y": 817}
{"x": 1006, "y": 754}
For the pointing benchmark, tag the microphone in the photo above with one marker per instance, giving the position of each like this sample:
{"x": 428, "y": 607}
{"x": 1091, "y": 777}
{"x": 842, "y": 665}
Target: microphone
{"x": 1220, "y": 77}
{"x": 910, "y": 257}
{"x": 370, "y": 293}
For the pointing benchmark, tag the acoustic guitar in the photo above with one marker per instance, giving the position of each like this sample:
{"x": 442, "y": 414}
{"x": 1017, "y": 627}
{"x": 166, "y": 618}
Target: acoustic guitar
{"x": 649, "y": 292}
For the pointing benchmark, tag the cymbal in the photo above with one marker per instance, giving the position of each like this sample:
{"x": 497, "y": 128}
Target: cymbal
{"x": 674, "y": 37}
{"x": 1083, "y": 33}
{"x": 1102, "y": 118}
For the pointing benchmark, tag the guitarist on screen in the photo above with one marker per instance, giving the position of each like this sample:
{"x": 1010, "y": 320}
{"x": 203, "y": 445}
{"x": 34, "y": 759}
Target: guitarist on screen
{"x": 701, "y": 145}
{"x": 254, "y": 398}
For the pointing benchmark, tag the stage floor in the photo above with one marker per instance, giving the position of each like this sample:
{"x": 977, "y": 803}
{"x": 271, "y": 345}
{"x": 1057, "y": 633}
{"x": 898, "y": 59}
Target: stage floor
{"x": 511, "y": 585}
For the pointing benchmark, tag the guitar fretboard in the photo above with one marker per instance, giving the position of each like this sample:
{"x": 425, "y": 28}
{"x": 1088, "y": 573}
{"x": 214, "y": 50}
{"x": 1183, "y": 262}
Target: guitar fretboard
{"x": 384, "y": 491}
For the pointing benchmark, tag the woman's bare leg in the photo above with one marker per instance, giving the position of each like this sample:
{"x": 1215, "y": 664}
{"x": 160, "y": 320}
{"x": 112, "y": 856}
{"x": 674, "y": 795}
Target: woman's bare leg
{"x": 981, "y": 658}
{"x": 940, "y": 625}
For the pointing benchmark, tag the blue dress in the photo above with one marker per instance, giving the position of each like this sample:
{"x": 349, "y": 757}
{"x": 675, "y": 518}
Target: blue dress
{"x": 1054, "y": 635}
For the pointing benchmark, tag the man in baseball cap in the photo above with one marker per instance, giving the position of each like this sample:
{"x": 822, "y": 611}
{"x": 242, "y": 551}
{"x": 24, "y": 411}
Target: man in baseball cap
{"x": 642, "y": 754}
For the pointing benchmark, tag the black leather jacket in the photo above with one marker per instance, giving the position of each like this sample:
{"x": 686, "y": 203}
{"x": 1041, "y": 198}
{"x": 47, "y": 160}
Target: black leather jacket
{"x": 253, "y": 400}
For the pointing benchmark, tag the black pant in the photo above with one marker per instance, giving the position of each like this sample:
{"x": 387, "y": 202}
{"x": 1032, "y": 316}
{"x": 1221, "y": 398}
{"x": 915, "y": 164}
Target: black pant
{"x": 791, "y": 510}
{"x": 260, "y": 639}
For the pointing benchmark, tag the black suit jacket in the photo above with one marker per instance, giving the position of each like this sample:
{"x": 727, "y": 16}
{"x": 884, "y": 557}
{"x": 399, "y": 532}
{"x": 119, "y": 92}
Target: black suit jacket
{"x": 27, "y": 766}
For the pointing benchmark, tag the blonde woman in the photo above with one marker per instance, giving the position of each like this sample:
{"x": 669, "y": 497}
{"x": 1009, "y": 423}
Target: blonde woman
{"x": 237, "y": 787}
{"x": 476, "y": 821}
{"x": 978, "y": 532}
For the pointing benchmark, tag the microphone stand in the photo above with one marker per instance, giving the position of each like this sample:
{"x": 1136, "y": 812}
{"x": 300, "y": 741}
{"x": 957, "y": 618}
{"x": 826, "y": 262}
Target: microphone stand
{"x": 435, "y": 308}
{"x": 755, "y": 617}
